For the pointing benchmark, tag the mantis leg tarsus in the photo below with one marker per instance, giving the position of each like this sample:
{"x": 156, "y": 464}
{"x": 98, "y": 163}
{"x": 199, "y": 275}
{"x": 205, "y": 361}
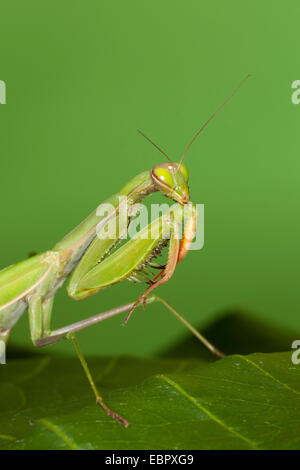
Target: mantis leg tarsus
{"x": 142, "y": 299}
{"x": 135, "y": 305}
{"x": 111, "y": 413}
{"x": 99, "y": 399}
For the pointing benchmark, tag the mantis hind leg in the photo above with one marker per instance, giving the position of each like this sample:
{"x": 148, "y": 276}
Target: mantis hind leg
{"x": 99, "y": 398}
{"x": 39, "y": 319}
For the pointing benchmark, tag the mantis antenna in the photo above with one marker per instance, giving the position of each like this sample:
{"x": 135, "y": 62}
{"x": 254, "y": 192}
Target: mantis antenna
{"x": 212, "y": 116}
{"x": 156, "y": 146}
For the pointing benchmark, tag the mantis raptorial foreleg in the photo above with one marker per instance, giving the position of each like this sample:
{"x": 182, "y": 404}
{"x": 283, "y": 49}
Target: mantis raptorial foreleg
{"x": 167, "y": 272}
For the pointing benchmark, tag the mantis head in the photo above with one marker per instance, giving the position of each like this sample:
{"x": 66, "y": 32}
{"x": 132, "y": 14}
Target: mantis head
{"x": 172, "y": 180}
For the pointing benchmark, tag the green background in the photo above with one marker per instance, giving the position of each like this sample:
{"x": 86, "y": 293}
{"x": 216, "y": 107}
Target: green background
{"x": 82, "y": 76}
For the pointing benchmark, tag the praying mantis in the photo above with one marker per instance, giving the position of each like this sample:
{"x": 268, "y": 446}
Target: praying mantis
{"x": 93, "y": 262}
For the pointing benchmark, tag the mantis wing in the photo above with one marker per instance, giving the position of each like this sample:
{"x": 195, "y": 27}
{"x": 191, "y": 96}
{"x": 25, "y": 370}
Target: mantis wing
{"x": 20, "y": 280}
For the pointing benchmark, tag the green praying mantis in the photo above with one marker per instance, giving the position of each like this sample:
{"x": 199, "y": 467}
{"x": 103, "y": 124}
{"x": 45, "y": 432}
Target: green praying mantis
{"x": 94, "y": 262}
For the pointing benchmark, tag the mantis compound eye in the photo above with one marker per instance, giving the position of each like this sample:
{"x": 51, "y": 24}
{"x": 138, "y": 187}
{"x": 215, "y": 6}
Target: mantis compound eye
{"x": 185, "y": 172}
{"x": 171, "y": 180}
{"x": 164, "y": 175}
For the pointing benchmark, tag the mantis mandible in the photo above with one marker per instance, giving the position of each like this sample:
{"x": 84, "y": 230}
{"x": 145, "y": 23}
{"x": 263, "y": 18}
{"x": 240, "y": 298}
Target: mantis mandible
{"x": 96, "y": 262}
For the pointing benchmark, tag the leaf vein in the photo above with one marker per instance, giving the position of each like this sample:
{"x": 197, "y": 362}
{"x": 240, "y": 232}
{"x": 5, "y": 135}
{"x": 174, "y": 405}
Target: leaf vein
{"x": 206, "y": 411}
{"x": 265, "y": 372}
{"x": 57, "y": 430}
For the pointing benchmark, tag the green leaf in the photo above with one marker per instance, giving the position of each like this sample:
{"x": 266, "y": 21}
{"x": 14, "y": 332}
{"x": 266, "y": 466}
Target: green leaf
{"x": 174, "y": 402}
{"x": 240, "y": 402}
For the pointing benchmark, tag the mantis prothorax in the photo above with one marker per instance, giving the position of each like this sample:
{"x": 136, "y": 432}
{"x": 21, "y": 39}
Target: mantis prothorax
{"x": 96, "y": 263}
